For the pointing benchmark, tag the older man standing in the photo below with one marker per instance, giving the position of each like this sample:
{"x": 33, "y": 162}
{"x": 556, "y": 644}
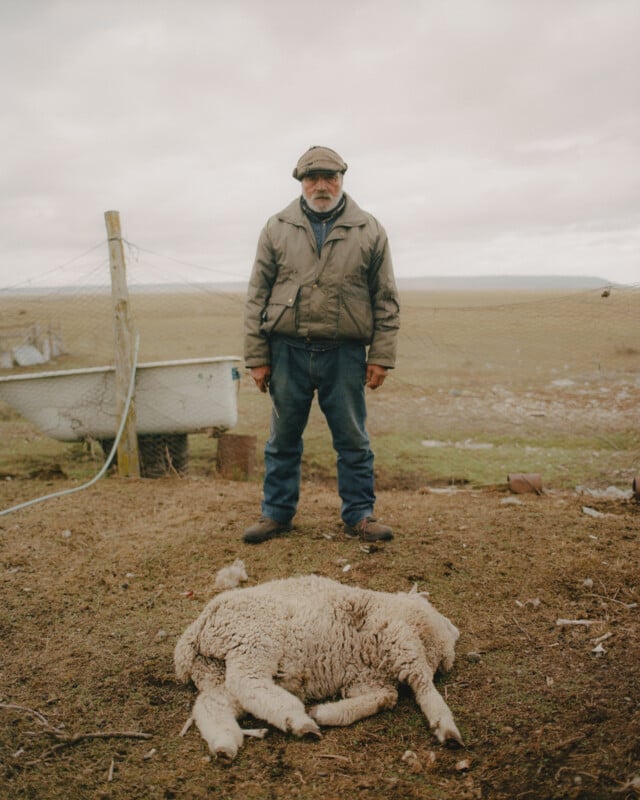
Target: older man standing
{"x": 321, "y": 315}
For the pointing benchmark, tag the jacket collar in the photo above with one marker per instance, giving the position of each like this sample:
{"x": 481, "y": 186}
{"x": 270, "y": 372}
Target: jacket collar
{"x": 352, "y": 216}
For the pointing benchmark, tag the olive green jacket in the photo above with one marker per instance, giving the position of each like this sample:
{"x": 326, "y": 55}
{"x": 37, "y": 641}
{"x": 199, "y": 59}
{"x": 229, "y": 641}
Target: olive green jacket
{"x": 347, "y": 293}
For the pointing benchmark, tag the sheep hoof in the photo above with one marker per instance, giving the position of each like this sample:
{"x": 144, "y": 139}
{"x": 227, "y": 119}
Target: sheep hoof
{"x": 308, "y": 729}
{"x": 225, "y": 748}
{"x": 449, "y": 736}
{"x": 225, "y": 753}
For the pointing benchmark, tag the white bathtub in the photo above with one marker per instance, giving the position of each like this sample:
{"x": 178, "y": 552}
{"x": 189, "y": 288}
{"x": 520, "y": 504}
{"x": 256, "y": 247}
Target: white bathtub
{"x": 171, "y": 397}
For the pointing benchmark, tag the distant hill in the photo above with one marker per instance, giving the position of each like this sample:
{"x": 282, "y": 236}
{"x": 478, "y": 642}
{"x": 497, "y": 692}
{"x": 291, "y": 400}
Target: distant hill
{"x": 459, "y": 283}
{"x": 439, "y": 282}
{"x": 506, "y": 282}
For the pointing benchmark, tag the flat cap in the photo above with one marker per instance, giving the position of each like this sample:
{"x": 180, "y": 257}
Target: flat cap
{"x": 318, "y": 159}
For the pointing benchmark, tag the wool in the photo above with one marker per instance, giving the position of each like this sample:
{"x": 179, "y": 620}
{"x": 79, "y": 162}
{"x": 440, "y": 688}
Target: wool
{"x": 271, "y": 650}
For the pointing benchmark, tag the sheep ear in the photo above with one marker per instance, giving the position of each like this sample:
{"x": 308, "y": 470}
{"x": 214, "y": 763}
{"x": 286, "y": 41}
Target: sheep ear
{"x": 414, "y": 589}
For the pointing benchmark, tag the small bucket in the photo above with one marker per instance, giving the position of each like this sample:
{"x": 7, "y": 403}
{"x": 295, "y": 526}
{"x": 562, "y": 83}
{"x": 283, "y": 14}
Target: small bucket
{"x": 236, "y": 457}
{"x": 523, "y": 483}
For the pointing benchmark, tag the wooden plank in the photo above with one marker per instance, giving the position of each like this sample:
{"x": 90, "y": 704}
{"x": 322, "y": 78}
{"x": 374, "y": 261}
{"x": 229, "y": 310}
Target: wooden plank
{"x": 128, "y": 457}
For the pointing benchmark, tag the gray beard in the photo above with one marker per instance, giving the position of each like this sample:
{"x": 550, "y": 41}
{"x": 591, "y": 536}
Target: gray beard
{"x": 315, "y": 208}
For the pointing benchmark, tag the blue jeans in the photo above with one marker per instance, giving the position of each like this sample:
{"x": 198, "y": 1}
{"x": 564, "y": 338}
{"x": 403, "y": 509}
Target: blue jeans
{"x": 337, "y": 372}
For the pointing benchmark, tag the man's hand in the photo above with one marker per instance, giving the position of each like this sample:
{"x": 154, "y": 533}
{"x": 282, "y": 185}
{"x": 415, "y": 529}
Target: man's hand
{"x": 261, "y": 376}
{"x": 375, "y": 376}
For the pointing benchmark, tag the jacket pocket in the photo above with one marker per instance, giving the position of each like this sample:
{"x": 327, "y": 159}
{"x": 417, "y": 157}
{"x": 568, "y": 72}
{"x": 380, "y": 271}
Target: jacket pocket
{"x": 355, "y": 315}
{"x": 281, "y": 301}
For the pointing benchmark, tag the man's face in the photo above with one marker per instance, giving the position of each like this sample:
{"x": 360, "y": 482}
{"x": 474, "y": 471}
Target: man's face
{"x": 322, "y": 190}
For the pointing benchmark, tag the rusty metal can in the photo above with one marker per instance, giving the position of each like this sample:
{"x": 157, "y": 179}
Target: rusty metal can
{"x": 522, "y": 483}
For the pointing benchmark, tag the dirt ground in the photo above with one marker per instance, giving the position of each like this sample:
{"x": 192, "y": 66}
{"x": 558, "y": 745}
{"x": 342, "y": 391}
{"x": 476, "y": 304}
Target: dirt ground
{"x": 98, "y": 585}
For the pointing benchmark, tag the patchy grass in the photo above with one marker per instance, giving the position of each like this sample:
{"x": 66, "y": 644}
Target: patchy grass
{"x": 97, "y": 587}
{"x": 402, "y": 460}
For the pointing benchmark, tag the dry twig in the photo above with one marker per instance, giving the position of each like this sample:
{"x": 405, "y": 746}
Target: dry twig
{"x": 519, "y": 626}
{"x": 335, "y": 757}
{"x": 69, "y": 739}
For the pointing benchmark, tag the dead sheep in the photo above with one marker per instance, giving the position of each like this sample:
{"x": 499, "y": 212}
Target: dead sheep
{"x": 269, "y": 649}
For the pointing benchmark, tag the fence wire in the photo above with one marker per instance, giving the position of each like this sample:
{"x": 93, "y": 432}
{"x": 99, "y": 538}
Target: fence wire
{"x": 474, "y": 367}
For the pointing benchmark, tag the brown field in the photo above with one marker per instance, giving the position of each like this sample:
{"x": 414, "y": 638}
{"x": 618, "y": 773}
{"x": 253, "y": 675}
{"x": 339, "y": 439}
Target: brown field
{"x": 98, "y": 585}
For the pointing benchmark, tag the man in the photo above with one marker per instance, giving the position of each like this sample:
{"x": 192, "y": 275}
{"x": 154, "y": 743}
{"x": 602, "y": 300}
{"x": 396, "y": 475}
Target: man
{"x": 322, "y": 291}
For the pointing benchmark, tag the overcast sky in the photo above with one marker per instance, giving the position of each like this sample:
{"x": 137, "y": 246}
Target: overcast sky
{"x": 488, "y": 136}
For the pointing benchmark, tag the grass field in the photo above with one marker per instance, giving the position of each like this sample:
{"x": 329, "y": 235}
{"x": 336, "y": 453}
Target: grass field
{"x": 98, "y": 585}
{"x": 492, "y": 382}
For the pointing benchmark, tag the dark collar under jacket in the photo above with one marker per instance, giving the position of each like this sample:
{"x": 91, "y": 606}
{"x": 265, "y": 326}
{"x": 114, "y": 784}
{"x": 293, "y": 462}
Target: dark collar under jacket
{"x": 351, "y": 217}
{"x": 324, "y": 216}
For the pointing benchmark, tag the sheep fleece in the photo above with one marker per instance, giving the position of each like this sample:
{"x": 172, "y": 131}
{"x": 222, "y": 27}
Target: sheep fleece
{"x": 269, "y": 649}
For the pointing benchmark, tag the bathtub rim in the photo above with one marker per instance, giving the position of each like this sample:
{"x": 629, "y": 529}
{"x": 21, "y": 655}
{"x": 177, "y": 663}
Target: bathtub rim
{"x": 60, "y": 373}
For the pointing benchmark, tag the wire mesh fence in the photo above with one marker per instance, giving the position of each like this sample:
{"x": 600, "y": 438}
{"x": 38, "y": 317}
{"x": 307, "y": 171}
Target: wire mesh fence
{"x": 485, "y": 380}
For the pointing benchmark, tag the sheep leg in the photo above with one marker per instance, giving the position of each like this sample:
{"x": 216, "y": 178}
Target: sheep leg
{"x": 215, "y": 713}
{"x": 357, "y": 706}
{"x": 436, "y": 711}
{"x": 264, "y": 699}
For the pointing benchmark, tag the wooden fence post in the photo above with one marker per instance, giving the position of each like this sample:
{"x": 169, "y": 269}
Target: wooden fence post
{"x": 128, "y": 457}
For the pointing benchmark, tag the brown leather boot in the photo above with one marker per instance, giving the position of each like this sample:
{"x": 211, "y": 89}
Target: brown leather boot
{"x": 369, "y": 530}
{"x": 264, "y": 529}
